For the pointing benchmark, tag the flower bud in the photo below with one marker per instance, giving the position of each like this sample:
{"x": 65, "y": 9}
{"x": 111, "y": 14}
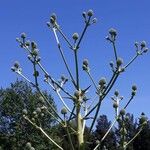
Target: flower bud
{"x": 116, "y": 93}
{"x": 54, "y": 16}
{"x": 24, "y": 111}
{"x": 143, "y": 44}
{"x": 136, "y": 44}
{"x": 145, "y": 50}
{"x": 119, "y": 62}
{"x": 122, "y": 112}
{"x": 27, "y": 43}
{"x": 84, "y": 14}
{"x": 115, "y": 105}
{"x": 23, "y": 35}
{"x": 13, "y": 69}
{"x": 64, "y": 111}
{"x": 94, "y": 20}
{"x": 35, "y": 52}
{"x": 33, "y": 45}
{"x": 111, "y": 63}
{"x": 102, "y": 81}
{"x": 32, "y": 148}
{"x": 48, "y": 24}
{"x": 38, "y": 110}
{"x": 28, "y": 145}
{"x": 112, "y": 32}
{"x": 42, "y": 114}
{"x": 90, "y": 13}
{"x": 16, "y": 64}
{"x": 75, "y": 36}
{"x": 134, "y": 87}
{"x": 85, "y": 62}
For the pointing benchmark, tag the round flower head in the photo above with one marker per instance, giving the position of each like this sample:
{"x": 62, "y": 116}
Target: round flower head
{"x": 84, "y": 14}
{"x": 24, "y": 111}
{"x": 90, "y": 13}
{"x": 94, "y": 20}
{"x": 41, "y": 99}
{"x": 23, "y": 35}
{"x": 75, "y": 36}
{"x": 112, "y": 32}
{"x": 85, "y": 62}
{"x": 32, "y": 148}
{"x": 122, "y": 112}
{"x": 134, "y": 87}
{"x": 115, "y": 105}
{"x": 102, "y": 81}
{"x": 143, "y": 44}
{"x": 116, "y": 93}
{"x": 28, "y": 145}
{"x": 35, "y": 52}
{"x": 54, "y": 16}
{"x": 16, "y": 64}
{"x": 64, "y": 111}
{"x": 119, "y": 62}
{"x": 38, "y": 109}
{"x": 33, "y": 45}
{"x": 27, "y": 43}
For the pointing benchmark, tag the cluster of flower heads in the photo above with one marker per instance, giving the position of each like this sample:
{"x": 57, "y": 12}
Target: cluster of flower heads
{"x": 38, "y": 112}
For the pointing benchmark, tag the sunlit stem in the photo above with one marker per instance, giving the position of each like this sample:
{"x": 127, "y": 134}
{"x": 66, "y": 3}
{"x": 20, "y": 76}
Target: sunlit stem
{"x": 43, "y": 132}
{"x": 64, "y": 36}
{"x": 115, "y": 51}
{"x": 83, "y": 32}
{"x": 134, "y": 137}
{"x": 103, "y": 138}
{"x": 132, "y": 60}
{"x": 63, "y": 57}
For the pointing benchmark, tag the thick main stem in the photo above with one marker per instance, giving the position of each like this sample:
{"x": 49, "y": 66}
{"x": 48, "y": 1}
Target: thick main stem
{"x": 79, "y": 129}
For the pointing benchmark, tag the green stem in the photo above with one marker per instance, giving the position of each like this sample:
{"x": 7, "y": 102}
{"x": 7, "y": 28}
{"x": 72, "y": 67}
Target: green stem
{"x": 77, "y": 68}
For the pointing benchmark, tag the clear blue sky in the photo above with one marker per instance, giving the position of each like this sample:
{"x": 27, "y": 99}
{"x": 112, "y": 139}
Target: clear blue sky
{"x": 129, "y": 17}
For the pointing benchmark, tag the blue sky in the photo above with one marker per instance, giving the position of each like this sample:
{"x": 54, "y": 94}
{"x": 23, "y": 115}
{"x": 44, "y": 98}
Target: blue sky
{"x": 130, "y": 18}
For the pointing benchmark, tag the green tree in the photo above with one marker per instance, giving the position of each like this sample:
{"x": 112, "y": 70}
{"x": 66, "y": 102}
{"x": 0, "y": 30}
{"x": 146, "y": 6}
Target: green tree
{"x": 15, "y": 131}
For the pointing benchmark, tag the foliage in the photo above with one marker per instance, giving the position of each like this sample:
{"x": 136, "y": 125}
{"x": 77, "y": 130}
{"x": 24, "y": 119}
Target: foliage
{"x": 15, "y": 132}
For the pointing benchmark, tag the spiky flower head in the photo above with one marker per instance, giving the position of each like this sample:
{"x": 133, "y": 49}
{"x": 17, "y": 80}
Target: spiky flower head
{"x": 84, "y": 14}
{"x": 122, "y": 112}
{"x": 16, "y": 64}
{"x": 90, "y": 13}
{"x": 143, "y": 44}
{"x": 116, "y": 93}
{"x": 23, "y": 35}
{"x": 94, "y": 20}
{"x": 102, "y": 81}
{"x": 38, "y": 110}
{"x": 33, "y": 45}
{"x": 134, "y": 87}
{"x": 64, "y": 111}
{"x": 85, "y": 62}
{"x": 28, "y": 145}
{"x": 24, "y": 111}
{"x": 75, "y": 36}
{"x": 112, "y": 32}
{"x": 119, "y": 62}
{"x": 115, "y": 105}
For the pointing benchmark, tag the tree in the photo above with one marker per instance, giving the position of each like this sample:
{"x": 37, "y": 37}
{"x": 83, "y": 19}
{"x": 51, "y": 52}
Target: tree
{"x": 15, "y": 132}
{"x": 142, "y": 142}
{"x": 101, "y": 128}
{"x": 81, "y": 111}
